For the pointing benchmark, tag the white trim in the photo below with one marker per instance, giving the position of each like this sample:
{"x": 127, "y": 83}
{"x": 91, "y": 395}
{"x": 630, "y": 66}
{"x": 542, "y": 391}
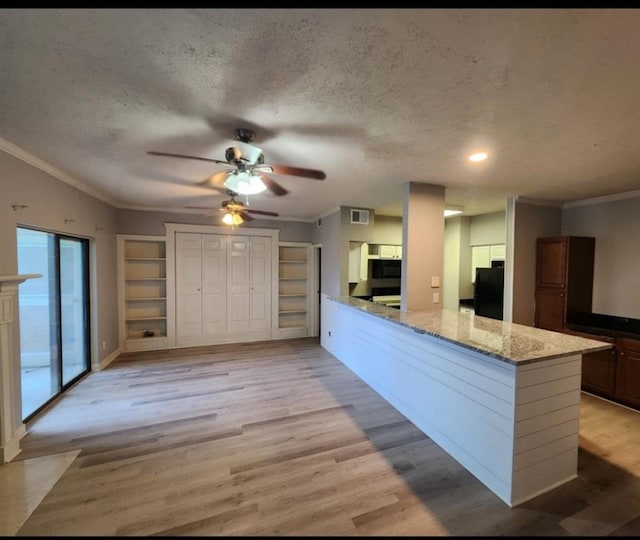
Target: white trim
{"x": 108, "y": 359}
{"x": 171, "y": 228}
{"x": 537, "y": 202}
{"x": 509, "y": 264}
{"x": 603, "y": 199}
{"x": 38, "y": 163}
{"x": 21, "y": 431}
{"x": 174, "y": 210}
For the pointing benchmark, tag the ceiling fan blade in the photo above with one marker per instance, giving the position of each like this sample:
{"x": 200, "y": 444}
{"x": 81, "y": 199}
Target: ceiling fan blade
{"x": 272, "y": 185}
{"x": 216, "y": 180}
{"x": 245, "y": 216}
{"x": 262, "y": 212}
{"x": 186, "y": 157}
{"x": 296, "y": 171}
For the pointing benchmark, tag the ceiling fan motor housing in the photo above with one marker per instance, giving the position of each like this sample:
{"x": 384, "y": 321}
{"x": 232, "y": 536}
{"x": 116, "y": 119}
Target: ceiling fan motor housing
{"x": 245, "y": 135}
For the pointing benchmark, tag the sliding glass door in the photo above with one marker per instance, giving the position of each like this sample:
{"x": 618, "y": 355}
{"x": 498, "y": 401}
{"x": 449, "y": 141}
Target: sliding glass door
{"x": 54, "y": 330}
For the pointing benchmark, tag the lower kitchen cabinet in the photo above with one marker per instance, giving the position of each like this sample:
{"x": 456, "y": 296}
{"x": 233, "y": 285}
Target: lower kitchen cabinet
{"x": 598, "y": 368}
{"x": 627, "y": 389}
{"x": 599, "y": 372}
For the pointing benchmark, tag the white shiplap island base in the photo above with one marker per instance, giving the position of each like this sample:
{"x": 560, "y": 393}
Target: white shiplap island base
{"x": 502, "y": 399}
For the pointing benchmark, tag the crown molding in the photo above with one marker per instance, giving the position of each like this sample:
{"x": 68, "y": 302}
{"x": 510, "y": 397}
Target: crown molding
{"x": 170, "y": 210}
{"x": 604, "y": 199}
{"x": 27, "y": 157}
{"x": 537, "y": 202}
{"x": 325, "y": 214}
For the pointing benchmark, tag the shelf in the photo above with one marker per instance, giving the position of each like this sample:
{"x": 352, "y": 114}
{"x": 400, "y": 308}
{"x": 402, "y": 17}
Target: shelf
{"x": 145, "y": 259}
{"x": 146, "y": 279}
{"x": 142, "y": 299}
{"x": 140, "y": 338}
{"x": 145, "y": 319}
{"x": 289, "y": 326}
{"x": 293, "y": 309}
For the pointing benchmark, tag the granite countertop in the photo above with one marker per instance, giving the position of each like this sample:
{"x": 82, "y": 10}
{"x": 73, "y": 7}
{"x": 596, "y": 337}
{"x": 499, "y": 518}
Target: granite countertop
{"x": 513, "y": 343}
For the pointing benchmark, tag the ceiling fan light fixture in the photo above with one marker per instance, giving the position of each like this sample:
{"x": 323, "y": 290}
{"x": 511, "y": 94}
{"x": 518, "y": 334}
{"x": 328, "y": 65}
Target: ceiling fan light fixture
{"x": 244, "y": 183}
{"x": 232, "y": 218}
{"x": 478, "y": 156}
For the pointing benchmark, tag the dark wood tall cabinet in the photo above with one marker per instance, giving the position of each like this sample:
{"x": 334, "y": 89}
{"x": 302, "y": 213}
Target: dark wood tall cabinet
{"x": 564, "y": 279}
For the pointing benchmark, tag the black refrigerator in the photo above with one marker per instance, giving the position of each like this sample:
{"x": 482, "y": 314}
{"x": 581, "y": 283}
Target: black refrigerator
{"x": 488, "y": 292}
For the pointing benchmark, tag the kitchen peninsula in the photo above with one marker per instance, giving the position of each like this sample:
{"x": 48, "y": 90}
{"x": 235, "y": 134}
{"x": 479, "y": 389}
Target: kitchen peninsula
{"x": 503, "y": 399}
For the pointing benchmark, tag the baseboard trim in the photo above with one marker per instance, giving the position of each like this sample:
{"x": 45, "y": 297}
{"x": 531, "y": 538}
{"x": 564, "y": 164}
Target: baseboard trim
{"x": 108, "y": 359}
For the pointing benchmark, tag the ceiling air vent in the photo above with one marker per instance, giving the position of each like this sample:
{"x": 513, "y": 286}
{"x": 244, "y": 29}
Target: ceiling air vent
{"x": 359, "y": 216}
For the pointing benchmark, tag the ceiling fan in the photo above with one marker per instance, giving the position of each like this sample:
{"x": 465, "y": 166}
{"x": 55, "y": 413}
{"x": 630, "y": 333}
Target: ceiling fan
{"x": 233, "y": 212}
{"x": 247, "y": 177}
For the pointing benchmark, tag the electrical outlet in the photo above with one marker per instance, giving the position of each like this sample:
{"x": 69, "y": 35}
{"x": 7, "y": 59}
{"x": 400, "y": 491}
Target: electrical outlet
{"x": 104, "y": 345}
{"x": 329, "y": 333}
{"x": 435, "y": 281}
{"x": 436, "y": 298}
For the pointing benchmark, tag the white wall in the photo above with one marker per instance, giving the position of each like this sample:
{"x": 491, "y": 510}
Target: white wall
{"x": 486, "y": 229}
{"x": 49, "y": 203}
{"x": 456, "y": 281}
{"x": 616, "y": 228}
{"x": 328, "y": 234}
{"x": 387, "y": 230}
{"x": 451, "y": 272}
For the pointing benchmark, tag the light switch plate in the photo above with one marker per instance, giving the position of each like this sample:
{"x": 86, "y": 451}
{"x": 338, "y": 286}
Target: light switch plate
{"x": 435, "y": 281}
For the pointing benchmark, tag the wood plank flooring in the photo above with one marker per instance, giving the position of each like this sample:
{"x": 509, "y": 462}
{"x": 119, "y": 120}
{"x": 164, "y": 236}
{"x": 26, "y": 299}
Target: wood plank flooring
{"x": 279, "y": 438}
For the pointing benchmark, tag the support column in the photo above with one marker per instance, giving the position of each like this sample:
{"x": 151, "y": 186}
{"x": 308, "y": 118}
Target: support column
{"x": 422, "y": 246}
{"x": 11, "y": 426}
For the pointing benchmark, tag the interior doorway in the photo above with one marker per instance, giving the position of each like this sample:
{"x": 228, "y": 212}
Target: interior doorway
{"x": 54, "y": 309}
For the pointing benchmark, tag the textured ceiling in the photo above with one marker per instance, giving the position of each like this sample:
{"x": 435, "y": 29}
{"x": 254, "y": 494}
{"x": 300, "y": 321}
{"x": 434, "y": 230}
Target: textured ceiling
{"x": 374, "y": 97}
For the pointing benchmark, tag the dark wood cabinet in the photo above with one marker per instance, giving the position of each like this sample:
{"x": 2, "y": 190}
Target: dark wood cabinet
{"x": 627, "y": 388}
{"x": 598, "y": 368}
{"x": 552, "y": 262}
{"x": 599, "y": 372}
{"x": 550, "y": 308}
{"x": 564, "y": 279}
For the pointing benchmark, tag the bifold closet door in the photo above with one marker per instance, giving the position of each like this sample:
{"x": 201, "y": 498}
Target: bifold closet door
{"x": 249, "y": 280}
{"x": 260, "y": 287}
{"x": 214, "y": 284}
{"x": 201, "y": 281}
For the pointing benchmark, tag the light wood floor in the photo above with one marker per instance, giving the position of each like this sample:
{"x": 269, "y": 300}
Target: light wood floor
{"x": 280, "y": 438}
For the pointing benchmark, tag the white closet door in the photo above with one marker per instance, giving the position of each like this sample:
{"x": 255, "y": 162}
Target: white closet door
{"x": 238, "y": 272}
{"x": 188, "y": 284}
{"x": 214, "y": 284}
{"x": 260, "y": 293}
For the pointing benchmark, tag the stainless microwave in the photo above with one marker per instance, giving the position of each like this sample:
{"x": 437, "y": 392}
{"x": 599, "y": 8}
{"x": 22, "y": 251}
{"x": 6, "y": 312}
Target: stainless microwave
{"x": 386, "y": 268}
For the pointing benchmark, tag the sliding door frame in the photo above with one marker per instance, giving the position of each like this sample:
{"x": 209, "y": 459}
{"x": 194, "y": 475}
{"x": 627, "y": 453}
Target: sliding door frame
{"x": 86, "y": 334}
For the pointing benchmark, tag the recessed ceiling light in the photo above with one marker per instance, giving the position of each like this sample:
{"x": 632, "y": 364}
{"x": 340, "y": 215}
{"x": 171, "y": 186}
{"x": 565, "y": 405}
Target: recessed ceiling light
{"x": 478, "y": 156}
